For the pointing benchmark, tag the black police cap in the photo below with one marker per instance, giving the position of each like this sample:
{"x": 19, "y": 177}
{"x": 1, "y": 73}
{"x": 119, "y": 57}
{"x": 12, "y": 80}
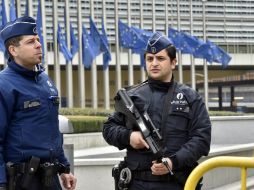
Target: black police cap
{"x": 157, "y": 42}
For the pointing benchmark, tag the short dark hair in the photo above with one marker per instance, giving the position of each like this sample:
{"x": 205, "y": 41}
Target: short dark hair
{"x": 12, "y": 41}
{"x": 171, "y": 51}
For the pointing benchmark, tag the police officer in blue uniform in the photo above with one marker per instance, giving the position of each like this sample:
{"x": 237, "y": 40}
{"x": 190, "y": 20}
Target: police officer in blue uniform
{"x": 180, "y": 116}
{"x": 31, "y": 153}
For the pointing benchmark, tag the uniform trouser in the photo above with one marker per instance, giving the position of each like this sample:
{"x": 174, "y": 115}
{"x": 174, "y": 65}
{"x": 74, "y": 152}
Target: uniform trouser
{"x": 36, "y": 184}
{"x": 146, "y": 185}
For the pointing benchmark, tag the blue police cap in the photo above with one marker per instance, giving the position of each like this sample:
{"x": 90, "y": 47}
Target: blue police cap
{"x": 21, "y": 26}
{"x": 157, "y": 42}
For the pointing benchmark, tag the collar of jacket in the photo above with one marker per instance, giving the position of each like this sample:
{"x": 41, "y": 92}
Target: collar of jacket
{"x": 24, "y": 71}
{"x": 159, "y": 85}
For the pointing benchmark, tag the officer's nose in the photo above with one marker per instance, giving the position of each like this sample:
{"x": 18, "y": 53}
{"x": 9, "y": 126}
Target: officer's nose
{"x": 154, "y": 62}
{"x": 37, "y": 44}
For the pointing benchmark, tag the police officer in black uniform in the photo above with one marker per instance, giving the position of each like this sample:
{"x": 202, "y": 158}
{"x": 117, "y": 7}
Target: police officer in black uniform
{"x": 180, "y": 116}
{"x": 31, "y": 152}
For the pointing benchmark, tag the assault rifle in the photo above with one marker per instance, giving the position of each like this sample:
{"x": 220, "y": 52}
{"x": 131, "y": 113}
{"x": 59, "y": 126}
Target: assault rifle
{"x": 151, "y": 135}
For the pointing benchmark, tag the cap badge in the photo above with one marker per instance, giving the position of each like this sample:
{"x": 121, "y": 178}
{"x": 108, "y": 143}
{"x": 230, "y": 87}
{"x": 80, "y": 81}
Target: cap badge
{"x": 153, "y": 49}
{"x": 35, "y": 30}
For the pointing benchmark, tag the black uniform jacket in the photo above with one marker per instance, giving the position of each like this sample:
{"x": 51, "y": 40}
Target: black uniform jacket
{"x": 187, "y": 132}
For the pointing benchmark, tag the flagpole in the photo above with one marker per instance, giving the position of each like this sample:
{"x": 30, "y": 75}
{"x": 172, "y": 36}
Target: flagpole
{"x": 224, "y": 25}
{"x": 56, "y": 60}
{"x": 106, "y": 70}
{"x": 180, "y": 66}
{"x": 30, "y": 8}
{"x": 44, "y": 34}
{"x": 93, "y": 69}
{"x": 153, "y": 16}
{"x": 130, "y": 64}
{"x": 118, "y": 65}
{"x": 172, "y": 13}
{"x": 193, "y": 76}
{"x": 69, "y": 79}
{"x": 18, "y": 8}
{"x": 81, "y": 73}
{"x": 166, "y": 17}
{"x": 142, "y": 69}
{"x": 7, "y": 10}
{"x": 204, "y": 61}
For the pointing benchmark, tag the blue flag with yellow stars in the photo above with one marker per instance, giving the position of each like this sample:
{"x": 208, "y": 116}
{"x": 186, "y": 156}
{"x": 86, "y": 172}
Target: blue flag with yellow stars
{"x": 3, "y": 23}
{"x": 129, "y": 38}
{"x": 62, "y": 44}
{"x": 219, "y": 55}
{"x": 74, "y": 41}
{"x": 12, "y": 10}
{"x": 39, "y": 28}
{"x": 90, "y": 49}
{"x": 106, "y": 54}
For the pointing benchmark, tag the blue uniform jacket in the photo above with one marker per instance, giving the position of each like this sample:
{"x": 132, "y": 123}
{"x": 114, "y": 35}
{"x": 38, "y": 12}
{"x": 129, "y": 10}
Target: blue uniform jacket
{"x": 187, "y": 132}
{"x": 29, "y": 117}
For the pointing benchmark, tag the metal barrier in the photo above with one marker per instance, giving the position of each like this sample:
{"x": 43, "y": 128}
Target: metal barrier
{"x": 220, "y": 161}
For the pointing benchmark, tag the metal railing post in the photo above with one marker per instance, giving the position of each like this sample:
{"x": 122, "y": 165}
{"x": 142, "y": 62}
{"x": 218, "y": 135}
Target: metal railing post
{"x": 243, "y": 178}
{"x": 220, "y": 161}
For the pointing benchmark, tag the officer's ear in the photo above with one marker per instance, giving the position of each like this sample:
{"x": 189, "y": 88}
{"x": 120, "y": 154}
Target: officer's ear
{"x": 12, "y": 50}
{"x": 173, "y": 63}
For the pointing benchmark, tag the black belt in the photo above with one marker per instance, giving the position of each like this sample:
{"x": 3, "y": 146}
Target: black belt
{"x": 28, "y": 170}
{"x": 148, "y": 176}
{"x": 22, "y": 167}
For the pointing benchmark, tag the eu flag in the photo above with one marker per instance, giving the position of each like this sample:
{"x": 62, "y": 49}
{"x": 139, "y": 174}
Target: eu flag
{"x": 213, "y": 53}
{"x": 144, "y": 36}
{"x": 74, "y": 41}
{"x": 3, "y": 14}
{"x": 3, "y": 23}
{"x": 12, "y": 10}
{"x": 129, "y": 38}
{"x": 176, "y": 37}
{"x": 62, "y": 44}
{"x": 2, "y": 47}
{"x": 142, "y": 59}
{"x": 204, "y": 52}
{"x": 90, "y": 49}
{"x": 189, "y": 43}
{"x": 106, "y": 54}
{"x": 96, "y": 37}
{"x": 219, "y": 55}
